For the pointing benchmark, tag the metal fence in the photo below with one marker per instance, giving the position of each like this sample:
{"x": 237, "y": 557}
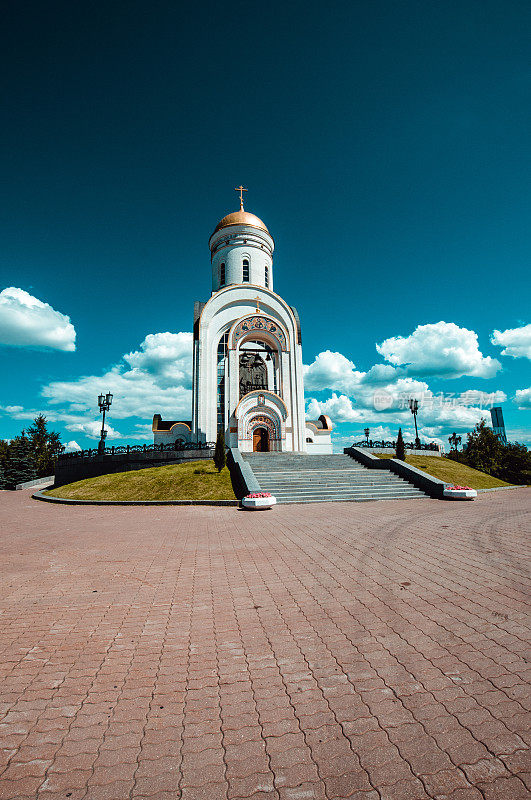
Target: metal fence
{"x": 138, "y": 448}
{"x": 407, "y": 445}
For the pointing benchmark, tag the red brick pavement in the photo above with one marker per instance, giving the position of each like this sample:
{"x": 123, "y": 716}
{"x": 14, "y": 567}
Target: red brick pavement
{"x": 373, "y": 651}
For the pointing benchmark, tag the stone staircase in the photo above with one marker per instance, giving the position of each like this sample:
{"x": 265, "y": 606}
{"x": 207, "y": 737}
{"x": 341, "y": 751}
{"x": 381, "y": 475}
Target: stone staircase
{"x": 302, "y": 478}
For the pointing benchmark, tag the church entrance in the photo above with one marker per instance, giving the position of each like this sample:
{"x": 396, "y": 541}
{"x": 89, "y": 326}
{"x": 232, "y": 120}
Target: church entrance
{"x": 260, "y": 440}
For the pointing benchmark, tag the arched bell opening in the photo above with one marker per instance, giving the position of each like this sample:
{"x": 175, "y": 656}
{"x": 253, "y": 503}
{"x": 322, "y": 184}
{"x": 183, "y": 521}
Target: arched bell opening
{"x": 258, "y": 366}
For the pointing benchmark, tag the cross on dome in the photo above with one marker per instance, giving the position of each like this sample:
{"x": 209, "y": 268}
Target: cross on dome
{"x": 241, "y": 190}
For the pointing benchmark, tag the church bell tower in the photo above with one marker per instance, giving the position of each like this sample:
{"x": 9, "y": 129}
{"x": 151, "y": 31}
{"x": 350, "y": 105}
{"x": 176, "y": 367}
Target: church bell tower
{"x": 247, "y": 352}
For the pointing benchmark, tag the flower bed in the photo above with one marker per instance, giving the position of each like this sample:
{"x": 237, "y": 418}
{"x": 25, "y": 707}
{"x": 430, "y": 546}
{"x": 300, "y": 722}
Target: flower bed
{"x": 459, "y": 493}
{"x": 258, "y": 501}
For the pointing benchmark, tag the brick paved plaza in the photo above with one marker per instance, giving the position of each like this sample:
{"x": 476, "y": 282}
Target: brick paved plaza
{"x": 373, "y": 651}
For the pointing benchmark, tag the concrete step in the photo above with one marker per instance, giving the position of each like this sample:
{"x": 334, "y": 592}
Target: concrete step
{"x": 350, "y": 499}
{"x": 352, "y": 490}
{"x": 359, "y": 496}
{"x": 334, "y": 484}
{"x": 301, "y": 478}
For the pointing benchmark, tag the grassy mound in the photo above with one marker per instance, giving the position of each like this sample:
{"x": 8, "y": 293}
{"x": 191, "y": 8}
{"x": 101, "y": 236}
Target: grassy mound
{"x": 452, "y": 471}
{"x": 195, "y": 480}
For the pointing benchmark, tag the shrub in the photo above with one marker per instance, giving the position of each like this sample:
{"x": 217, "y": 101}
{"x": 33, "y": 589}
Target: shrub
{"x": 400, "y": 447}
{"x": 220, "y": 457}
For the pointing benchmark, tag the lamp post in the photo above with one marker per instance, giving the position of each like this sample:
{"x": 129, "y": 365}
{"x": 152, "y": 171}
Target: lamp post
{"x": 104, "y": 403}
{"x": 414, "y": 407}
{"x": 366, "y": 431}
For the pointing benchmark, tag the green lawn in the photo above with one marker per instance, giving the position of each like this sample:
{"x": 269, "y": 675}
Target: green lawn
{"x": 170, "y": 482}
{"x": 452, "y": 471}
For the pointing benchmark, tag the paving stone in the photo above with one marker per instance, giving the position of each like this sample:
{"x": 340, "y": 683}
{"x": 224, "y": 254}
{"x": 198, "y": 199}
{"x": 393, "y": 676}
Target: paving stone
{"x": 329, "y": 658}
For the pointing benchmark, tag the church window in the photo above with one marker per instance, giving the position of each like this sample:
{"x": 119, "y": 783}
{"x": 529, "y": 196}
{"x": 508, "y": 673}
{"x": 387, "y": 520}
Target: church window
{"x": 222, "y": 275}
{"x": 245, "y": 270}
{"x": 267, "y": 277}
{"x": 222, "y": 351}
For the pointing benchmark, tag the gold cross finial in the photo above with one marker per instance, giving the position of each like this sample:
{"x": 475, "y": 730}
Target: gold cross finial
{"x": 241, "y": 190}
{"x": 257, "y": 305}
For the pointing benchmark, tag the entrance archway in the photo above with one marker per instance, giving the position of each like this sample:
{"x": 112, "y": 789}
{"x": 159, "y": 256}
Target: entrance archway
{"x": 260, "y": 440}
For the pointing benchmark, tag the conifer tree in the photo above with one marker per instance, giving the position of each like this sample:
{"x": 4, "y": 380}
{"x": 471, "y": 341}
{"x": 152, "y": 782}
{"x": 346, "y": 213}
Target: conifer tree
{"x": 45, "y": 445}
{"x": 3, "y": 482}
{"x": 400, "y": 447}
{"x": 19, "y": 465}
{"x": 220, "y": 458}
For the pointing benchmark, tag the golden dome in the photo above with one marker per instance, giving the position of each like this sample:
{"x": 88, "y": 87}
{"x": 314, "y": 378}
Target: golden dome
{"x": 241, "y": 218}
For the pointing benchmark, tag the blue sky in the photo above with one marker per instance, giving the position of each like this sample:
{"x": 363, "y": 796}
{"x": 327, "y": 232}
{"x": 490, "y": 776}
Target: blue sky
{"x": 385, "y": 145}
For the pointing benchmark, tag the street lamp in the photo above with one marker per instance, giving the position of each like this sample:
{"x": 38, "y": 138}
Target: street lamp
{"x": 104, "y": 403}
{"x": 414, "y": 407}
{"x": 366, "y": 431}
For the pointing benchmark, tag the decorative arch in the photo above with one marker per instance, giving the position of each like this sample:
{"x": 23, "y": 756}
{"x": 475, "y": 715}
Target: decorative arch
{"x": 260, "y": 417}
{"x": 258, "y": 323}
{"x": 264, "y": 399}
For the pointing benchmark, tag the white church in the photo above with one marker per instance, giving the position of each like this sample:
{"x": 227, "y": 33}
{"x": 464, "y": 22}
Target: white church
{"x": 247, "y": 357}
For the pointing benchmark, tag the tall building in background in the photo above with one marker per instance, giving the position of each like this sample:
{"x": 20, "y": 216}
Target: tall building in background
{"x": 498, "y": 424}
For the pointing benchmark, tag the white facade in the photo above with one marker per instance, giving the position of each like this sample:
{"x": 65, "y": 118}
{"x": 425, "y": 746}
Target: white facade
{"x": 247, "y": 356}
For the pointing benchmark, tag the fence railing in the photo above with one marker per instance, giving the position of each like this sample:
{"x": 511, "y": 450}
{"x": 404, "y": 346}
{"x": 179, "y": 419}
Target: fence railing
{"x": 407, "y": 445}
{"x": 138, "y": 448}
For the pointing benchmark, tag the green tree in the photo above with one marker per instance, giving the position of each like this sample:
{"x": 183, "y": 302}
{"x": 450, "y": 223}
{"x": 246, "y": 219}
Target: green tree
{"x": 516, "y": 464}
{"x": 45, "y": 445}
{"x": 3, "y": 482}
{"x": 400, "y": 447}
{"x": 483, "y": 450}
{"x": 19, "y": 465}
{"x": 4, "y": 449}
{"x": 220, "y": 457}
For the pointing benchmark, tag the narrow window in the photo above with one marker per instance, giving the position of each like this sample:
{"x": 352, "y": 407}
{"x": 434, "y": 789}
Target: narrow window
{"x": 267, "y": 277}
{"x": 245, "y": 271}
{"x": 222, "y": 275}
{"x": 222, "y": 352}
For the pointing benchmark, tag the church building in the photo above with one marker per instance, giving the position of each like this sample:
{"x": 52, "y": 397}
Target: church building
{"x": 247, "y": 356}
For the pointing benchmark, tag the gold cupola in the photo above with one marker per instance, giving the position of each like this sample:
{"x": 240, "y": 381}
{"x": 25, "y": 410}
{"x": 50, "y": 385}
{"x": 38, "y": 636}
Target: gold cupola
{"x": 241, "y": 217}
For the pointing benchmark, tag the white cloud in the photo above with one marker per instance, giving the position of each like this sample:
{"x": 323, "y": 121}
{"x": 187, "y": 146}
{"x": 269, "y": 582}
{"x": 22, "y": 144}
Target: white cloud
{"x": 167, "y": 356}
{"x": 441, "y": 348}
{"x": 436, "y": 413}
{"x": 331, "y": 371}
{"x": 152, "y": 384}
{"x": 154, "y": 379}
{"x": 515, "y": 341}
{"x": 522, "y": 398}
{"x": 26, "y": 321}
{"x": 338, "y": 407}
{"x": 72, "y": 447}
{"x": 92, "y": 428}
{"x": 475, "y": 397}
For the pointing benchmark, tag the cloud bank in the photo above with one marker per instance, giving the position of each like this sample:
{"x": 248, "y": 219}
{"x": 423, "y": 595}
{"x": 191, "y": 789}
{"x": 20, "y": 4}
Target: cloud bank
{"x": 522, "y": 398}
{"x": 440, "y": 349}
{"x": 155, "y": 378}
{"x": 26, "y": 321}
{"x": 515, "y": 341}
